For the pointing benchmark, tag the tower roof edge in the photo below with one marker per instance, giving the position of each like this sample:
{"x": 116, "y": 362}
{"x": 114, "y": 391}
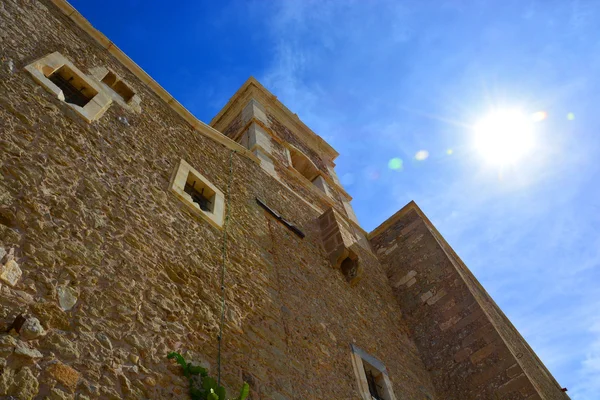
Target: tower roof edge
{"x": 252, "y": 84}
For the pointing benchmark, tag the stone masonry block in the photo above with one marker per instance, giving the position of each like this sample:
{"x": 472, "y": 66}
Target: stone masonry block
{"x": 333, "y": 224}
{"x": 462, "y": 354}
{"x": 483, "y": 353}
{"x": 514, "y": 371}
{"x": 265, "y": 162}
{"x": 469, "y": 319}
{"x": 489, "y": 373}
{"x": 254, "y": 110}
{"x": 409, "y": 276}
{"x": 437, "y": 297}
{"x": 10, "y": 273}
{"x": 514, "y": 384}
{"x": 486, "y": 332}
{"x": 257, "y": 136}
{"x": 340, "y": 244}
{"x": 391, "y": 249}
{"x": 447, "y": 324}
{"x": 426, "y": 296}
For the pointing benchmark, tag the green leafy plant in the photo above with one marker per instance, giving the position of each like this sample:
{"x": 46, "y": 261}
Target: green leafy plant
{"x": 206, "y": 388}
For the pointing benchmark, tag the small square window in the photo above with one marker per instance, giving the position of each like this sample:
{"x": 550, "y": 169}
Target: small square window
{"x": 200, "y": 193}
{"x": 60, "y": 77}
{"x": 75, "y": 90}
{"x": 117, "y": 88}
{"x": 372, "y": 376}
{"x": 200, "y": 196}
{"x": 123, "y": 90}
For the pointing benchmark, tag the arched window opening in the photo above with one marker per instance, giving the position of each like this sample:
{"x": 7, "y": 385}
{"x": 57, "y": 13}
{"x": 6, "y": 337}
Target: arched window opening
{"x": 303, "y": 164}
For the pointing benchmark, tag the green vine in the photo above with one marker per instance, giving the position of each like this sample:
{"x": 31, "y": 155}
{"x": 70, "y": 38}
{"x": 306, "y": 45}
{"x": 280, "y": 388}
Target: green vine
{"x": 207, "y": 389}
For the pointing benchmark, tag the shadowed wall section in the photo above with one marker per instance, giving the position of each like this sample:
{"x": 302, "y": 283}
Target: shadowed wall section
{"x": 467, "y": 343}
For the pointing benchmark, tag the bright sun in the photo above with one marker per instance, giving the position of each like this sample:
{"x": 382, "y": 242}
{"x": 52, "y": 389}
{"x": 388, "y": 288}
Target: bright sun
{"x": 504, "y": 136}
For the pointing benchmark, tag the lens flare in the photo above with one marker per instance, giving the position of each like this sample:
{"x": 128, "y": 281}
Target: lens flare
{"x": 504, "y": 136}
{"x": 421, "y": 155}
{"x": 570, "y": 116}
{"x": 539, "y": 116}
{"x": 395, "y": 164}
{"x": 449, "y": 152}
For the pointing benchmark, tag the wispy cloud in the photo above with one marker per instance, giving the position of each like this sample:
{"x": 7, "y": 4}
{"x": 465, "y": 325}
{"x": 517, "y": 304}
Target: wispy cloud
{"x": 387, "y": 81}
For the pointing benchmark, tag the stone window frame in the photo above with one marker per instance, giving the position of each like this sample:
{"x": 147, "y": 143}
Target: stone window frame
{"x": 180, "y": 176}
{"x": 359, "y": 359}
{"x": 42, "y": 68}
{"x": 308, "y": 169}
{"x": 311, "y": 172}
{"x": 99, "y": 74}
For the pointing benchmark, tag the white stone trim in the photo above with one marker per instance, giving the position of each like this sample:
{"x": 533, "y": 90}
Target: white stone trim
{"x": 199, "y": 126}
{"x": 41, "y": 69}
{"x": 215, "y": 217}
{"x": 99, "y": 73}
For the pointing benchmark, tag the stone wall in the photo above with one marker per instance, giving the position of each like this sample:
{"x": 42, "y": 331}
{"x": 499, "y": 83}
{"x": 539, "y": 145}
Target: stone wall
{"x": 271, "y": 143}
{"x": 116, "y": 272}
{"x": 459, "y": 330}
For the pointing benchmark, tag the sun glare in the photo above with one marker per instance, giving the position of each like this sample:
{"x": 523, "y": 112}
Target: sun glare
{"x": 504, "y": 136}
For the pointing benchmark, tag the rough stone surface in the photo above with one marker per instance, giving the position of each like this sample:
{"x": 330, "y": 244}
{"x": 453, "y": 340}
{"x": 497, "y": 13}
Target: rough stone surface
{"x": 31, "y": 329}
{"x": 57, "y": 394}
{"x": 26, "y": 385}
{"x": 7, "y": 345}
{"x": 21, "y": 384}
{"x": 67, "y": 297}
{"x": 10, "y": 273}
{"x": 458, "y": 330}
{"x": 64, "y": 374}
{"x": 118, "y": 271}
{"x": 25, "y": 351}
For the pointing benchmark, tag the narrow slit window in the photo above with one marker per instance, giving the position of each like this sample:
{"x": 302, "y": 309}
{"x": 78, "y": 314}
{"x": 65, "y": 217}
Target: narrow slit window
{"x": 75, "y": 90}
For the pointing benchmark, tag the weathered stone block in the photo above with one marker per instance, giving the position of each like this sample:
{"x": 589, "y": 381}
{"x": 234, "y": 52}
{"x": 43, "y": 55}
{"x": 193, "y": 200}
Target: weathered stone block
{"x": 254, "y": 110}
{"x": 31, "y": 329}
{"x": 64, "y": 374}
{"x": 67, "y": 297}
{"x": 25, "y": 351}
{"x": 10, "y": 273}
{"x": 483, "y": 353}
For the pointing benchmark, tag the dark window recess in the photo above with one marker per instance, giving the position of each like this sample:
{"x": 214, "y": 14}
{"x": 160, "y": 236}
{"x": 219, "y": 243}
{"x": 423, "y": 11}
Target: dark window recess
{"x": 349, "y": 268}
{"x": 198, "y": 197}
{"x": 118, "y": 86}
{"x": 278, "y": 217}
{"x": 79, "y": 97}
{"x": 373, "y": 388}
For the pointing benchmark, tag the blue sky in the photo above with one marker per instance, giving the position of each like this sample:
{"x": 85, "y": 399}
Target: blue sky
{"x": 386, "y": 79}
